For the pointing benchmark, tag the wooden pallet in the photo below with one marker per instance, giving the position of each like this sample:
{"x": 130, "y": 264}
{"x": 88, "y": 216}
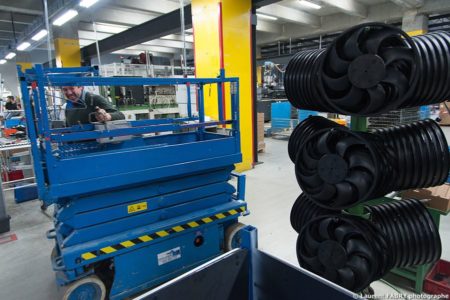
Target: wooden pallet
{"x": 261, "y": 147}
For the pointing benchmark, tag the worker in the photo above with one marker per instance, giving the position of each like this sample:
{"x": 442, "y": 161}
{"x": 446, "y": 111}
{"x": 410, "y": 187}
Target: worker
{"x": 11, "y": 104}
{"x": 83, "y": 107}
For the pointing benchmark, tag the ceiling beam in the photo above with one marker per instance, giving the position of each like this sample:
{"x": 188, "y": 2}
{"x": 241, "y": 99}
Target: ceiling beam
{"x": 117, "y": 16}
{"x": 291, "y": 15}
{"x": 261, "y": 3}
{"x": 9, "y": 31}
{"x": 137, "y": 52}
{"x": 102, "y": 27}
{"x": 409, "y": 3}
{"x": 85, "y": 42}
{"x": 351, "y": 7}
{"x": 179, "y": 37}
{"x": 168, "y": 44}
{"x": 20, "y": 10}
{"x": 269, "y": 27}
{"x": 158, "y": 6}
{"x": 383, "y": 12}
{"x": 434, "y": 7}
{"x": 8, "y": 27}
{"x": 90, "y": 35}
{"x": 161, "y": 26}
{"x": 18, "y": 18}
{"x": 143, "y": 48}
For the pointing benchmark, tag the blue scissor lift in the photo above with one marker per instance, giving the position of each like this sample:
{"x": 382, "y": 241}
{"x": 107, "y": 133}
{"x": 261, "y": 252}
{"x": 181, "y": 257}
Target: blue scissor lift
{"x": 133, "y": 213}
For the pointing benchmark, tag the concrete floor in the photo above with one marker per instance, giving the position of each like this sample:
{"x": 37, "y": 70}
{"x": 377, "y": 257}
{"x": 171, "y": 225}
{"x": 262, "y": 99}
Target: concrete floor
{"x": 271, "y": 190}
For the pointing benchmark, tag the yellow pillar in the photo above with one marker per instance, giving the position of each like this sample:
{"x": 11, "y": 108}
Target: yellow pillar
{"x": 24, "y": 65}
{"x": 67, "y": 52}
{"x": 222, "y": 38}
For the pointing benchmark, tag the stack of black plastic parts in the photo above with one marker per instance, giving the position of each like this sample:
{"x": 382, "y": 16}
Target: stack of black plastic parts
{"x": 371, "y": 69}
{"x": 367, "y": 70}
{"x": 338, "y": 168}
{"x": 353, "y": 252}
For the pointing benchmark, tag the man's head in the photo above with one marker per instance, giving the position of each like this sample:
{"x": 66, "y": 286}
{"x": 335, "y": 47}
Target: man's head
{"x": 10, "y": 99}
{"x": 72, "y": 93}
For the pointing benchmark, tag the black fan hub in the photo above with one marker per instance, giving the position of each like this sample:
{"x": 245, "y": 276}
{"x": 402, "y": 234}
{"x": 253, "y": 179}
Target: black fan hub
{"x": 332, "y": 168}
{"x": 366, "y": 71}
{"x": 332, "y": 254}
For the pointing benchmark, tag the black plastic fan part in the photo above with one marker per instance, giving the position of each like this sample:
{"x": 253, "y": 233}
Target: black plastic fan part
{"x": 300, "y": 80}
{"x": 337, "y": 168}
{"x": 368, "y": 69}
{"x": 344, "y": 249}
{"x": 419, "y": 154}
{"x": 304, "y": 210}
{"x": 434, "y": 53}
{"x": 410, "y": 231}
{"x": 305, "y": 129}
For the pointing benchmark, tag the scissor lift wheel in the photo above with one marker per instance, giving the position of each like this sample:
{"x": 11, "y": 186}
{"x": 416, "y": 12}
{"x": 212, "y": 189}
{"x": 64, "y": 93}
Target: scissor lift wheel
{"x": 88, "y": 288}
{"x": 233, "y": 236}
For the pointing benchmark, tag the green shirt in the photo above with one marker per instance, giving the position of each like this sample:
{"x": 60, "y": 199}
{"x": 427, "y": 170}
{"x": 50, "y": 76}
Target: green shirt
{"x": 79, "y": 112}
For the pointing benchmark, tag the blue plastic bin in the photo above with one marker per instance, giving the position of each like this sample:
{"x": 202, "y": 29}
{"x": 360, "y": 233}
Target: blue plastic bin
{"x": 304, "y": 114}
{"x": 424, "y": 112}
{"x": 25, "y": 193}
{"x": 281, "y": 115}
{"x": 9, "y": 123}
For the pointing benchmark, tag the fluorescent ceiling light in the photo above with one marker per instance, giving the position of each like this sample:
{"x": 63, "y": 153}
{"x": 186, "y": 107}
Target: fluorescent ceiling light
{"x": 84, "y": 42}
{"x": 310, "y": 4}
{"x": 67, "y": 16}
{"x": 2, "y": 61}
{"x": 127, "y": 52}
{"x": 110, "y": 28}
{"x": 39, "y": 35}
{"x": 266, "y": 17}
{"x": 23, "y": 46}
{"x": 175, "y": 37}
{"x": 87, "y": 3}
{"x": 10, "y": 55}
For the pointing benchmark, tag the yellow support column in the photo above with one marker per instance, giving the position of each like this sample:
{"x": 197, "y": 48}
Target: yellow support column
{"x": 24, "y": 65}
{"x": 67, "y": 52}
{"x": 222, "y": 38}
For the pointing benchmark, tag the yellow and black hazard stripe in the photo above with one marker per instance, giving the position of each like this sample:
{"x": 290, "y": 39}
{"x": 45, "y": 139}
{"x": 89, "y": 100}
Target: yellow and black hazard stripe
{"x": 160, "y": 234}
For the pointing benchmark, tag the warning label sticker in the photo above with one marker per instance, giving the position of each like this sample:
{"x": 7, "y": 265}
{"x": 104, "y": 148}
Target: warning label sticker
{"x": 137, "y": 207}
{"x": 168, "y": 256}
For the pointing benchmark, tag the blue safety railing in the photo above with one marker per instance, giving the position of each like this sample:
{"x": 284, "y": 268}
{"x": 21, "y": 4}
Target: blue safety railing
{"x": 69, "y": 163}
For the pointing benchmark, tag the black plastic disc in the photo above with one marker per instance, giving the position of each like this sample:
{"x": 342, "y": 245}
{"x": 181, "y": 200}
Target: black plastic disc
{"x": 332, "y": 168}
{"x": 331, "y": 253}
{"x": 366, "y": 71}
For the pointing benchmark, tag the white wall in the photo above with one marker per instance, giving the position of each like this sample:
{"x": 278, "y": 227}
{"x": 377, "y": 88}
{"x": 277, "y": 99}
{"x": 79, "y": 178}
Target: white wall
{"x": 9, "y": 77}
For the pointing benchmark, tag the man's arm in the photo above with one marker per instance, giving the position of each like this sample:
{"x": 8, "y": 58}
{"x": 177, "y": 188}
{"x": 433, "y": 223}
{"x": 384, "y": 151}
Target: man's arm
{"x": 104, "y": 104}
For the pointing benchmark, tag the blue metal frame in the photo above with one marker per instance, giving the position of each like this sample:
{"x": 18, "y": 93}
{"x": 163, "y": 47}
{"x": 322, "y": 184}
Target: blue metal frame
{"x": 39, "y": 78}
{"x": 134, "y": 200}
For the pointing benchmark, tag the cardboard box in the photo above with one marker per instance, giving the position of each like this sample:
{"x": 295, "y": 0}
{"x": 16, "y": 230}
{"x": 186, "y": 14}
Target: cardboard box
{"x": 439, "y": 196}
{"x": 444, "y": 115}
{"x": 261, "y": 147}
{"x": 260, "y": 127}
{"x": 260, "y": 132}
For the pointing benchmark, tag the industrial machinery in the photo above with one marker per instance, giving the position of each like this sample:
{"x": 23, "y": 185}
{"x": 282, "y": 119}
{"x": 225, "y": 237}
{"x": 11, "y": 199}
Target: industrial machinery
{"x": 148, "y": 102}
{"x": 131, "y": 213}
